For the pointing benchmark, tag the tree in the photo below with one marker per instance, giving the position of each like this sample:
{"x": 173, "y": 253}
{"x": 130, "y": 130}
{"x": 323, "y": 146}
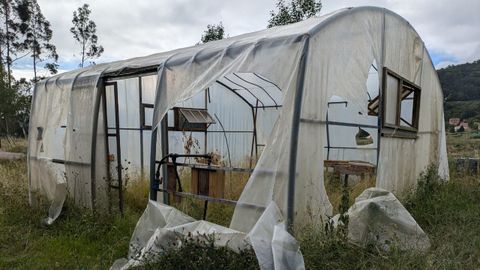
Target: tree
{"x": 213, "y": 32}
{"x": 14, "y": 105}
{"x": 9, "y": 37}
{"x": 84, "y": 32}
{"x": 7, "y": 95}
{"x": 295, "y": 11}
{"x": 22, "y": 104}
{"x": 38, "y": 35}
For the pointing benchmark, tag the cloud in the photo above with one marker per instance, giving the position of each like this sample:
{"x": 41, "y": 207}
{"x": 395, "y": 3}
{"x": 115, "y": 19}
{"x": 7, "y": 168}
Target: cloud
{"x": 129, "y": 28}
{"x": 450, "y": 27}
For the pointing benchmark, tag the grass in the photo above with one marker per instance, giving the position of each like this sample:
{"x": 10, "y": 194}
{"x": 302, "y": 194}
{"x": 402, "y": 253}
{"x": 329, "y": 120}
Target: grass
{"x": 448, "y": 212}
{"x": 465, "y": 144}
{"x": 15, "y": 145}
{"x": 203, "y": 255}
{"x": 334, "y": 188}
{"x": 78, "y": 240}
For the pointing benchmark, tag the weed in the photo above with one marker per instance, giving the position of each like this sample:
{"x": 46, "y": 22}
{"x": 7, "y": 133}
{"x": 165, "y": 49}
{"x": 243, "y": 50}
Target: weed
{"x": 448, "y": 212}
{"x": 201, "y": 253}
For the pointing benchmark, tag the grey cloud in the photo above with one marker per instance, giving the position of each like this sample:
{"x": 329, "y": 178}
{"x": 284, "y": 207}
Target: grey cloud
{"x": 129, "y": 28}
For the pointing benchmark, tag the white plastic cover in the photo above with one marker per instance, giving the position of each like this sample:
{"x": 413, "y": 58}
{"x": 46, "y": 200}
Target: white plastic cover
{"x": 163, "y": 227}
{"x": 377, "y": 217}
{"x": 336, "y": 52}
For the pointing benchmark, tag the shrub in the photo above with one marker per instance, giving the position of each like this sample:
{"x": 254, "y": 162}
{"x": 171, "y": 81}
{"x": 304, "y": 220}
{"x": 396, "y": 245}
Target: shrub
{"x": 200, "y": 253}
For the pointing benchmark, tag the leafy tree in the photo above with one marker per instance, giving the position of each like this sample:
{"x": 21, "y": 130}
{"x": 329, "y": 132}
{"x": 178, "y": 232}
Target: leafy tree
{"x": 7, "y": 95}
{"x": 9, "y": 37}
{"x": 84, "y": 32}
{"x": 14, "y": 105}
{"x": 461, "y": 89}
{"x": 22, "y": 104}
{"x": 213, "y": 32}
{"x": 295, "y": 11}
{"x": 38, "y": 35}
{"x": 461, "y": 82}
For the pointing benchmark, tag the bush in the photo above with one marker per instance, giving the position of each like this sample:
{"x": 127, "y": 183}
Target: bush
{"x": 200, "y": 253}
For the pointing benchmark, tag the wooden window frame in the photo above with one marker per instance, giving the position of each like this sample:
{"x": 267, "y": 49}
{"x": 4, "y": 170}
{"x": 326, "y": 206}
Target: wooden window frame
{"x": 397, "y": 130}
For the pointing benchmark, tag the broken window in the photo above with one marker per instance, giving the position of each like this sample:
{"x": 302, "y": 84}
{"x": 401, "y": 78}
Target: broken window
{"x": 400, "y": 107}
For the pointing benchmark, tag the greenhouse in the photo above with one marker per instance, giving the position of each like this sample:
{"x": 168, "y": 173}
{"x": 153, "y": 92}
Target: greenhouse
{"x": 353, "y": 91}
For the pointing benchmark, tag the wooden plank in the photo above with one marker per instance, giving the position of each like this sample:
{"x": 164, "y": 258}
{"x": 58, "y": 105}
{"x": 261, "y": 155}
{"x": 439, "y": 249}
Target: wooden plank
{"x": 194, "y": 181}
{"x": 352, "y": 167}
{"x": 217, "y": 184}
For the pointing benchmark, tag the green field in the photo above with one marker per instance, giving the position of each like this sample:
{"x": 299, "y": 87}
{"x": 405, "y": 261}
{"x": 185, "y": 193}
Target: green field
{"x": 449, "y": 213}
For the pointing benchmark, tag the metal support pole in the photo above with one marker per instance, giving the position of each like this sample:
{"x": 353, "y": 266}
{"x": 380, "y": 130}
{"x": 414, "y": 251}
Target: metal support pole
{"x": 119, "y": 151}
{"x": 93, "y": 153}
{"x": 297, "y": 108}
{"x": 164, "y": 134}
{"x": 328, "y": 139}
{"x": 380, "y": 96}
{"x": 142, "y": 122}
{"x": 153, "y": 153}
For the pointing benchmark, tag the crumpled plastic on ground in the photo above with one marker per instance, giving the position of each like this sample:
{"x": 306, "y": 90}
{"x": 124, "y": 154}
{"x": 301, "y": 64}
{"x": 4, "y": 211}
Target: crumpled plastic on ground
{"x": 377, "y": 217}
{"x": 162, "y": 227}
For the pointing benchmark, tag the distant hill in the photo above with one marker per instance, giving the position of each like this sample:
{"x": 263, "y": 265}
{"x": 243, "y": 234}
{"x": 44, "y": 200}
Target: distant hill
{"x": 461, "y": 89}
{"x": 461, "y": 82}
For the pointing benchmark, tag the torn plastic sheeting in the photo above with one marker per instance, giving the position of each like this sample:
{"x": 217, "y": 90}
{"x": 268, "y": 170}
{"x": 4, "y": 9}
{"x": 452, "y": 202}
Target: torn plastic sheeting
{"x": 161, "y": 227}
{"x": 342, "y": 47}
{"x": 274, "y": 247}
{"x": 377, "y": 216}
{"x": 155, "y": 215}
{"x": 55, "y": 186}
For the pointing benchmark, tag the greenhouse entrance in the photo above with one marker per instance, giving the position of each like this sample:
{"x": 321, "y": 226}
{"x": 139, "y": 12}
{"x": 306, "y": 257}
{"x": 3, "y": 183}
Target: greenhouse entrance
{"x": 351, "y": 146}
{"x": 209, "y": 145}
{"x": 128, "y": 106}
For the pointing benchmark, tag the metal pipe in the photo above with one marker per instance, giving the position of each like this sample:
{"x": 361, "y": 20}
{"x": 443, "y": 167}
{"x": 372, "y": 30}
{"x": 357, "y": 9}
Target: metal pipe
{"x": 142, "y": 122}
{"x": 164, "y": 134}
{"x": 267, "y": 80}
{"x": 257, "y": 85}
{"x": 297, "y": 109}
{"x": 335, "y": 123}
{"x": 93, "y": 153}
{"x": 328, "y": 137}
{"x": 226, "y": 140}
{"x": 153, "y": 148}
{"x": 107, "y": 150}
{"x": 380, "y": 94}
{"x": 119, "y": 153}
{"x": 244, "y": 88}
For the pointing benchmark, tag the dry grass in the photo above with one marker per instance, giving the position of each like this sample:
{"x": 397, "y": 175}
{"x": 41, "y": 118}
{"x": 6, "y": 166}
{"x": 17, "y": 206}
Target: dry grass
{"x": 449, "y": 214}
{"x": 334, "y": 188}
{"x": 463, "y": 145}
{"x": 77, "y": 240}
{"x": 15, "y": 145}
{"x": 218, "y": 213}
{"x": 136, "y": 193}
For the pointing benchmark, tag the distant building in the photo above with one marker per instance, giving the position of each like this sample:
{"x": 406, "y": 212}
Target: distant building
{"x": 462, "y": 124}
{"x": 454, "y": 121}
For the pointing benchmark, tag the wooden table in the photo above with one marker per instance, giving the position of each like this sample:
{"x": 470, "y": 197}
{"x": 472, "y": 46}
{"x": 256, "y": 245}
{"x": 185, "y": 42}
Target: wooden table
{"x": 350, "y": 167}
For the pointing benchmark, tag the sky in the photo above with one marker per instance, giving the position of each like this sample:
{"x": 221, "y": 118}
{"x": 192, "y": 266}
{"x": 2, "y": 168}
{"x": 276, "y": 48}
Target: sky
{"x": 126, "y": 28}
